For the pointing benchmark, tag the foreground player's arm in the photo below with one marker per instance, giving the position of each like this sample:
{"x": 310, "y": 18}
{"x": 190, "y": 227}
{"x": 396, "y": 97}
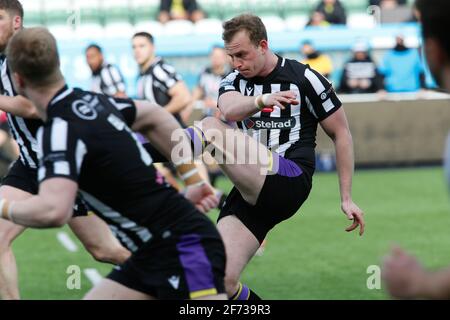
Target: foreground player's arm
{"x": 336, "y": 127}
{"x": 18, "y": 106}
{"x": 167, "y": 136}
{"x": 158, "y": 126}
{"x": 180, "y": 98}
{"x": 52, "y": 207}
{"x": 405, "y": 278}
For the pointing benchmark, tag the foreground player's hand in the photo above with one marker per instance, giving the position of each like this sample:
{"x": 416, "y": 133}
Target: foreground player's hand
{"x": 281, "y": 100}
{"x": 403, "y": 275}
{"x": 353, "y": 212}
{"x": 202, "y": 196}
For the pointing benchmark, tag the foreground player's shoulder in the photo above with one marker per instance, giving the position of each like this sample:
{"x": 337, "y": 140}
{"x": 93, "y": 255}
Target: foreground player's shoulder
{"x": 75, "y": 106}
{"x": 294, "y": 68}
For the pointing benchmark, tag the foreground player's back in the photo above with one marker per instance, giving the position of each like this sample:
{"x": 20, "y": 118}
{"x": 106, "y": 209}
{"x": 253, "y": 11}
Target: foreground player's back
{"x": 90, "y": 142}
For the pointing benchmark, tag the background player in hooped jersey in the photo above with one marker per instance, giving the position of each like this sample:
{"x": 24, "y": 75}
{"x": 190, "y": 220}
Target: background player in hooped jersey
{"x": 20, "y": 182}
{"x": 159, "y": 83}
{"x": 284, "y": 101}
{"x": 85, "y": 143}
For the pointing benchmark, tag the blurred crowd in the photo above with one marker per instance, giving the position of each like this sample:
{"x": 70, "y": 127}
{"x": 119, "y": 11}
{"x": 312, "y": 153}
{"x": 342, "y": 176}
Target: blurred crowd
{"x": 325, "y": 13}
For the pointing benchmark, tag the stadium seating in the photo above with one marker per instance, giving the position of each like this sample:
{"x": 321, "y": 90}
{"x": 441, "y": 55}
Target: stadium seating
{"x": 134, "y": 11}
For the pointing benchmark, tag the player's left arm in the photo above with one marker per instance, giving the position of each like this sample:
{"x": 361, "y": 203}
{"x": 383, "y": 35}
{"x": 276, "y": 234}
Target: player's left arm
{"x": 336, "y": 127}
{"x": 51, "y": 208}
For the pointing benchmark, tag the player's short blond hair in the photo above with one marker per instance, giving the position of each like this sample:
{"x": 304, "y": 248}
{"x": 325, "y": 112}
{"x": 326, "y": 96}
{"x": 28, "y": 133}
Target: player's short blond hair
{"x": 33, "y": 54}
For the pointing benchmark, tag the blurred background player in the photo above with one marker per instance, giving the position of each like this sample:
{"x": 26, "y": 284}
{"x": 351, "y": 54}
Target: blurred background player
{"x": 159, "y": 83}
{"x": 404, "y": 276}
{"x": 205, "y": 95}
{"x": 106, "y": 78}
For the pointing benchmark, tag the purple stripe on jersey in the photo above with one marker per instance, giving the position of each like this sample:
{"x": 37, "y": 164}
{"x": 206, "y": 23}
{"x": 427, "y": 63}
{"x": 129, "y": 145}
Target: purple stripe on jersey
{"x": 285, "y": 167}
{"x": 196, "y": 265}
{"x": 142, "y": 139}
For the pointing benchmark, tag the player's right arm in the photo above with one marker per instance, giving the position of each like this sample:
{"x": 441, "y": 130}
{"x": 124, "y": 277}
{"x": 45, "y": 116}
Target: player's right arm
{"x": 61, "y": 157}
{"x": 18, "y": 106}
{"x": 237, "y": 107}
{"x": 51, "y": 208}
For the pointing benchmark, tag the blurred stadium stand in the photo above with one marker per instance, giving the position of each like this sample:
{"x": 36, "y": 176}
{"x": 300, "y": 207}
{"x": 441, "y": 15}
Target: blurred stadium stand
{"x": 111, "y": 23}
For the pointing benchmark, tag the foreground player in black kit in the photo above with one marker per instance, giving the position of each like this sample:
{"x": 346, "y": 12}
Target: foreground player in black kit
{"x": 85, "y": 144}
{"x": 21, "y": 180}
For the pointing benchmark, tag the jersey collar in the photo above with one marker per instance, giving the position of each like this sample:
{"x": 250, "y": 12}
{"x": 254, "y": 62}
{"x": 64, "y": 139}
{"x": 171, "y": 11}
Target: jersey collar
{"x": 157, "y": 59}
{"x": 61, "y": 94}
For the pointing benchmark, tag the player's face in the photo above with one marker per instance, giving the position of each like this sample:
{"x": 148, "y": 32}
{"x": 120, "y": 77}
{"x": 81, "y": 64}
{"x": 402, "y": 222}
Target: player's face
{"x": 218, "y": 58}
{"x": 143, "y": 50}
{"x": 94, "y": 59}
{"x": 6, "y": 29}
{"x": 247, "y": 58}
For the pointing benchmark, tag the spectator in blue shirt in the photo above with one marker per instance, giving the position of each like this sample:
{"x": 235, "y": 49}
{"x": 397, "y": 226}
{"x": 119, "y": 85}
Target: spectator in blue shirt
{"x": 403, "y": 69}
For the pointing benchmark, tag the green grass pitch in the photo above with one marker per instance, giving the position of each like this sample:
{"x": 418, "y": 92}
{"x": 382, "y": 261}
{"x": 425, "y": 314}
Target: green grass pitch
{"x": 308, "y": 257}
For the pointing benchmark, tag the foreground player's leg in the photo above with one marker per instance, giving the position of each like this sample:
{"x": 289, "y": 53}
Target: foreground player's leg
{"x": 111, "y": 290}
{"x": 240, "y": 247}
{"x": 98, "y": 239}
{"x": 9, "y": 288}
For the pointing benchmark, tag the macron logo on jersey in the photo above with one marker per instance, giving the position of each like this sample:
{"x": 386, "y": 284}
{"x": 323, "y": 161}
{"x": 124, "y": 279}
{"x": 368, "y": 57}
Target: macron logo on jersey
{"x": 174, "y": 282}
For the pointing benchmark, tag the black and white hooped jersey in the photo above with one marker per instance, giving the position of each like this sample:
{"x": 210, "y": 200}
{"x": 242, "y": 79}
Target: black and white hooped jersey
{"x": 290, "y": 132}
{"x": 86, "y": 139}
{"x": 22, "y": 130}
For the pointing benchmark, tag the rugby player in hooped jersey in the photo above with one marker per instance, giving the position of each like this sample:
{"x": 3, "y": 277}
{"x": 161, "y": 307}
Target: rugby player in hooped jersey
{"x": 277, "y": 104}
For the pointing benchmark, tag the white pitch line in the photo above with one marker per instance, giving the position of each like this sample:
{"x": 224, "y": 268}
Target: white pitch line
{"x": 93, "y": 275}
{"x": 67, "y": 243}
